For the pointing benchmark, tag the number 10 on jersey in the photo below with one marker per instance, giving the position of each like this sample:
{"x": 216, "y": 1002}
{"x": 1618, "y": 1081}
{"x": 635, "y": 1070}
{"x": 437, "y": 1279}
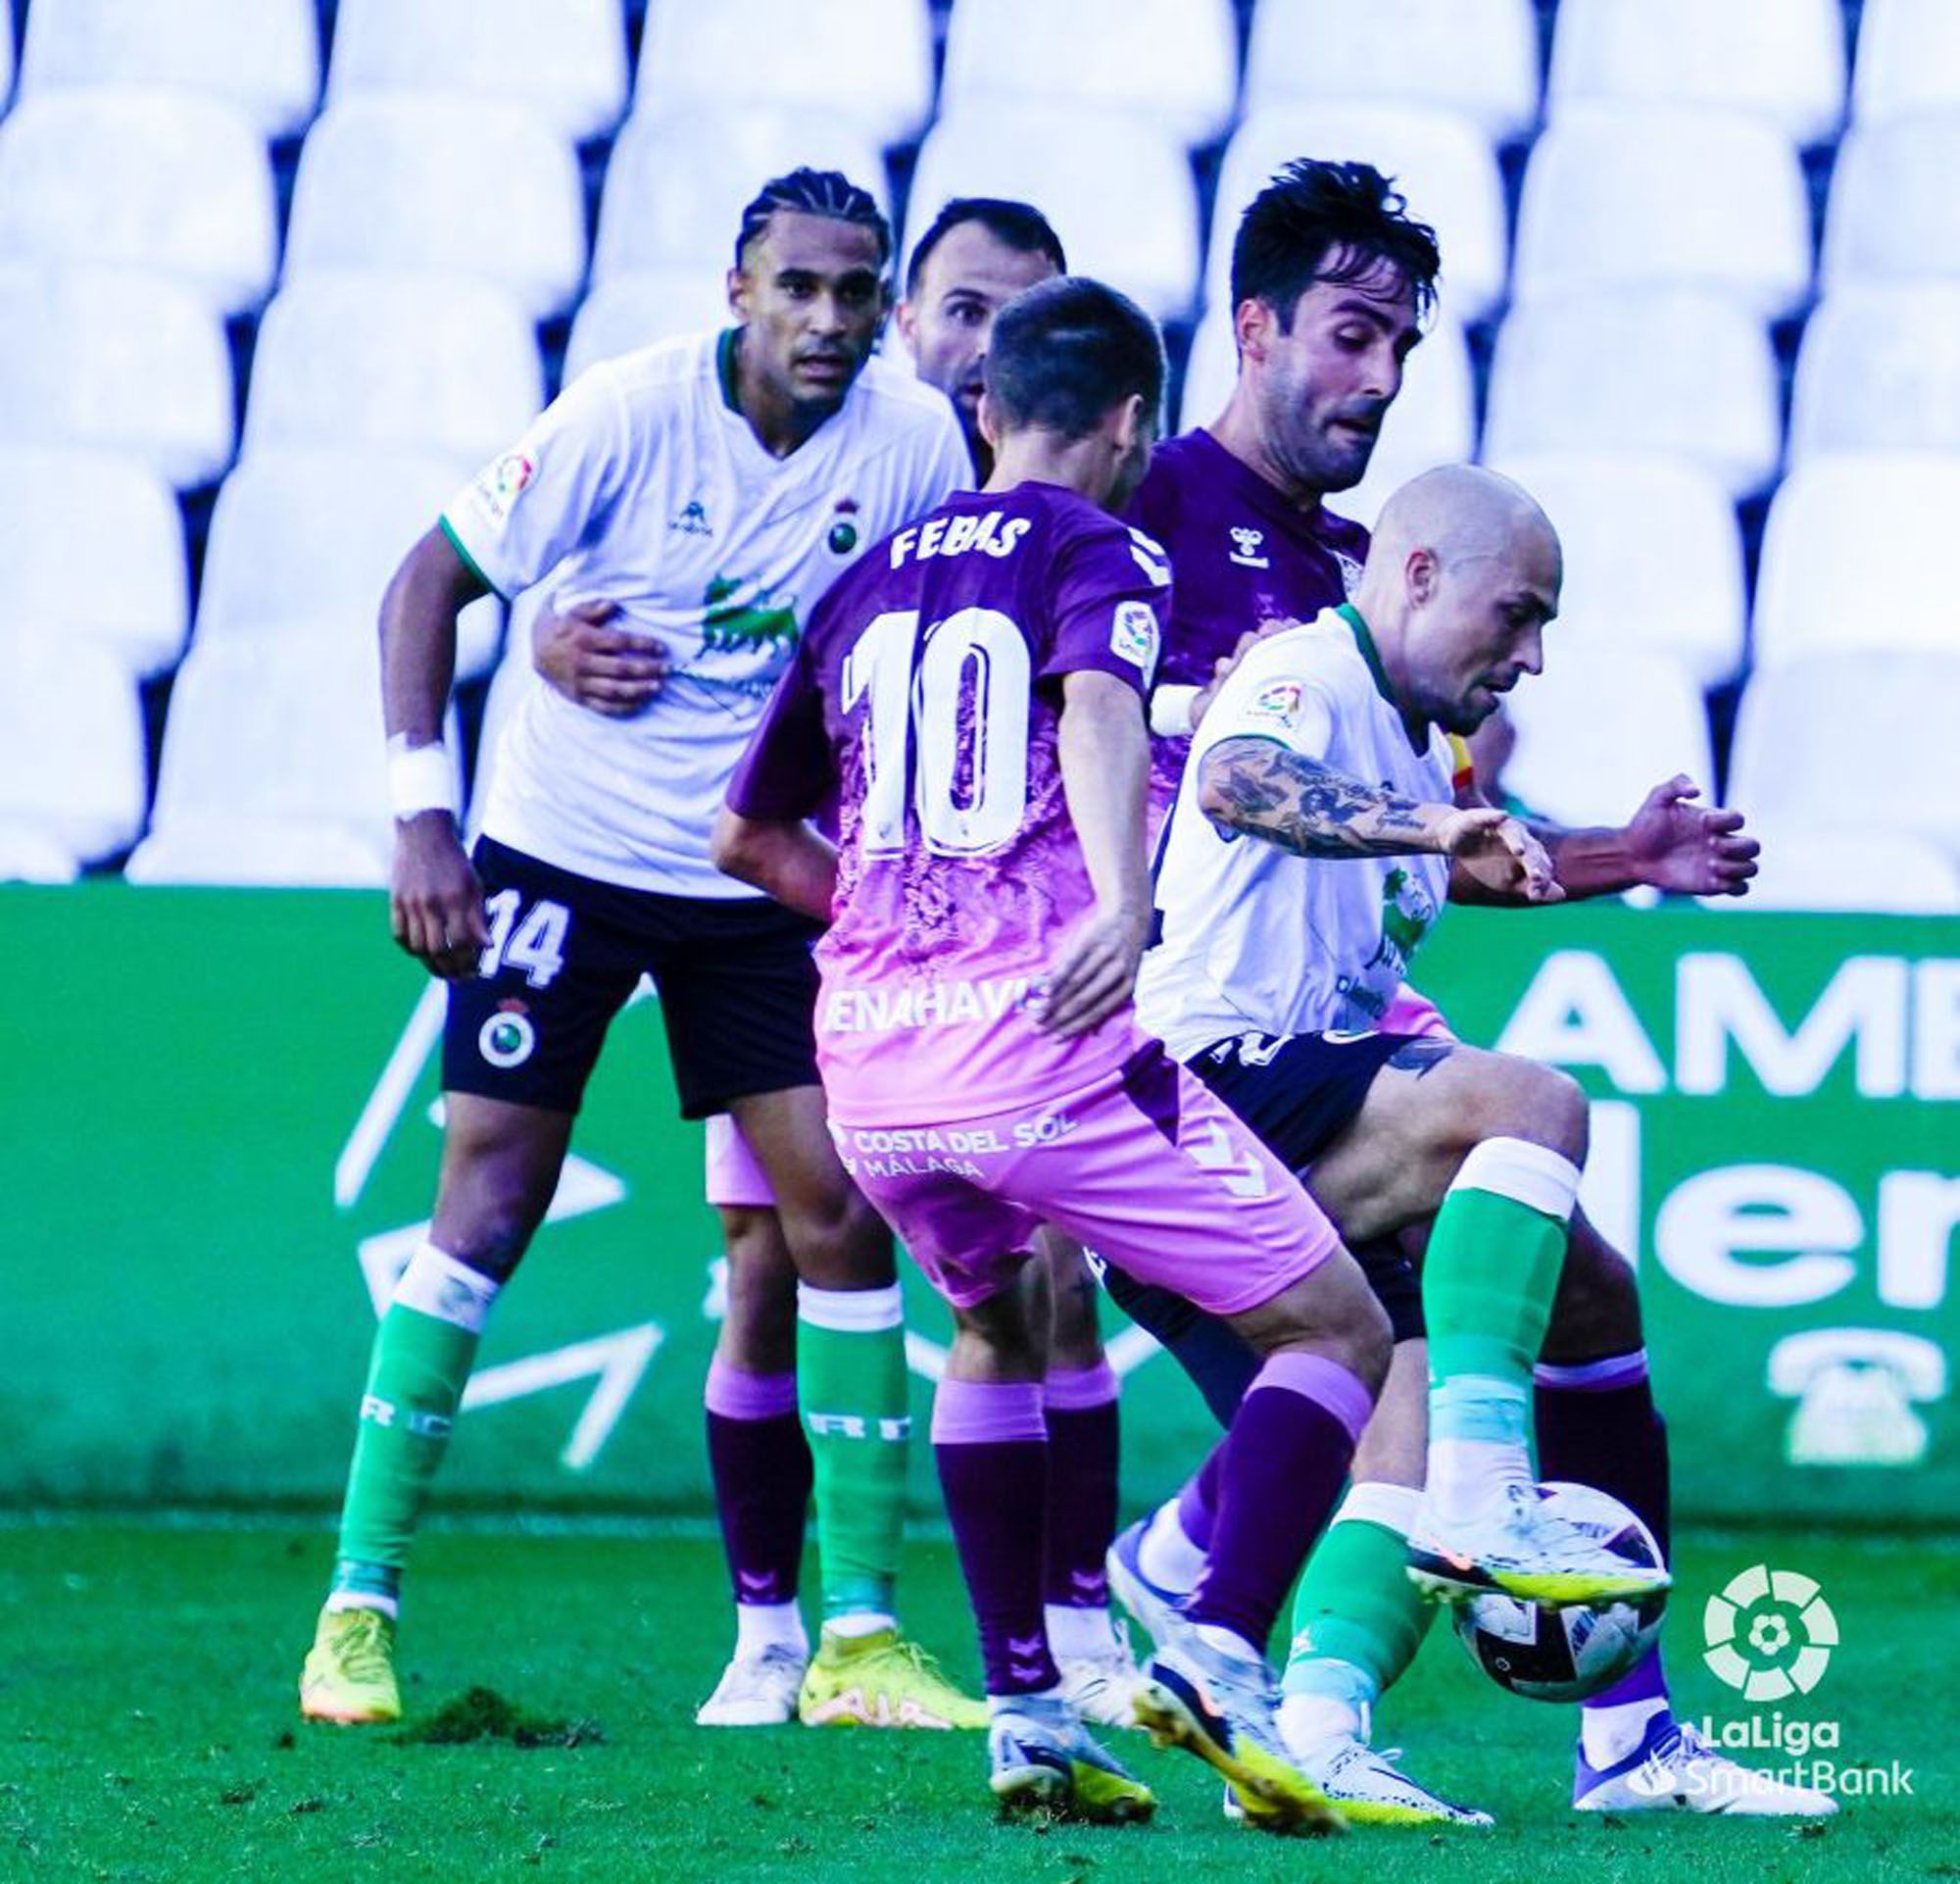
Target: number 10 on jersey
{"x": 955, "y": 702}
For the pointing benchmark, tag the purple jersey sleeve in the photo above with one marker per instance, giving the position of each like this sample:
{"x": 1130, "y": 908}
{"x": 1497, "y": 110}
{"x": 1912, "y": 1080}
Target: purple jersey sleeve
{"x": 1107, "y": 601}
{"x": 788, "y": 771}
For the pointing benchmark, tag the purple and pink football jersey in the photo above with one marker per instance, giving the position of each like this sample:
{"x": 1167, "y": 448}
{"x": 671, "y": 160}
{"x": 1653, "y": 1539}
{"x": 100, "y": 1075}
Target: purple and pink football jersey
{"x": 1244, "y": 557}
{"x": 926, "y": 694}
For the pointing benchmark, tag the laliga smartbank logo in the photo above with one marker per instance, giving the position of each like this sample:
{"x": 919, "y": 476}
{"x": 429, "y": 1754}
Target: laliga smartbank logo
{"x": 1771, "y": 1635}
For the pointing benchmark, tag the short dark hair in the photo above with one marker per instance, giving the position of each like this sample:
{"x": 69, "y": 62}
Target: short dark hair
{"x": 1319, "y": 221}
{"x": 1065, "y": 351}
{"x": 1020, "y": 225}
{"x": 815, "y": 193}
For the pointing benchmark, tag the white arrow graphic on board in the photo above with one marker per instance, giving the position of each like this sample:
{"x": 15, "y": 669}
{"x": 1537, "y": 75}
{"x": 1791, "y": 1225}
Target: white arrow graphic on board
{"x": 615, "y": 1362}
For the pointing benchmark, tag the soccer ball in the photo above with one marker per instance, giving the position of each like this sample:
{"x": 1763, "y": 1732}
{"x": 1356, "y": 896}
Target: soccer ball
{"x": 1566, "y": 1655}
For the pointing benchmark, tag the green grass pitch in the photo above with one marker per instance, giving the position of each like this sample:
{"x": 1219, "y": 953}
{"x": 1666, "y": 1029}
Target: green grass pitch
{"x": 148, "y": 1733}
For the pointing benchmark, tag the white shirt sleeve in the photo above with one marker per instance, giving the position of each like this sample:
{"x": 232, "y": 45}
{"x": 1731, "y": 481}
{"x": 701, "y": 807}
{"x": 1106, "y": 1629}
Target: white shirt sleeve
{"x": 524, "y": 511}
{"x": 1286, "y": 700}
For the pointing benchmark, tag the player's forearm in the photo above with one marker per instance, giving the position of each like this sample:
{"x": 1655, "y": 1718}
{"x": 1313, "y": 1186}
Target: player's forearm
{"x": 1259, "y": 788}
{"x": 419, "y": 612}
{"x": 786, "y": 861}
{"x": 1105, "y": 756}
{"x": 1594, "y": 862}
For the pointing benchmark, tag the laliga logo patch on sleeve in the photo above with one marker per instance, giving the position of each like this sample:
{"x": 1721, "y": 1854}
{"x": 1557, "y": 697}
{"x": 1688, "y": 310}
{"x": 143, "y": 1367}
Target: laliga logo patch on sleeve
{"x": 1277, "y": 703}
{"x": 504, "y": 483}
{"x": 1133, "y": 634}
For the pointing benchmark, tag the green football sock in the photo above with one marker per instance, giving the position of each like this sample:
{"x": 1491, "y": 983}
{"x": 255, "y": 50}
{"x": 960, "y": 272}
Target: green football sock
{"x": 1489, "y": 1279}
{"x": 423, "y": 1350}
{"x": 856, "y": 1398}
{"x": 1358, "y": 1620}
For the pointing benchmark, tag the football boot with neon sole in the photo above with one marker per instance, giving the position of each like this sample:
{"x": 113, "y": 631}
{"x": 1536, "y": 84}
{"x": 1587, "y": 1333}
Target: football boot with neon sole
{"x": 1514, "y": 1543}
{"x": 1042, "y": 1761}
{"x": 881, "y": 1680}
{"x": 349, "y": 1677}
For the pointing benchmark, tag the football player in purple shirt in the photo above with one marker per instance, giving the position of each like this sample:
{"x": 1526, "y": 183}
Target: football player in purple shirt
{"x": 972, "y": 694}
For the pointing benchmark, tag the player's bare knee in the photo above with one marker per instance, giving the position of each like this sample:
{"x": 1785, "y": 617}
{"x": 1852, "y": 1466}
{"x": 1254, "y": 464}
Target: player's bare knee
{"x": 998, "y": 1340}
{"x": 1521, "y": 1099}
{"x": 843, "y": 1244}
{"x": 760, "y": 1323}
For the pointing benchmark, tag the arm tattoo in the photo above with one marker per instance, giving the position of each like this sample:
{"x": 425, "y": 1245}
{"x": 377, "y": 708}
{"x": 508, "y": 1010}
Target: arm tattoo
{"x": 1263, "y": 789}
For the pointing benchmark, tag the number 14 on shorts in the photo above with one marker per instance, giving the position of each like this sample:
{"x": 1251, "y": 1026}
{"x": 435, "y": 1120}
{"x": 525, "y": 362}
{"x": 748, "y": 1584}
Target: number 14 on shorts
{"x": 532, "y": 940}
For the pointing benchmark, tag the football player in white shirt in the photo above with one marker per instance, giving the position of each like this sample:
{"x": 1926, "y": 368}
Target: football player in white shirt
{"x": 711, "y": 488}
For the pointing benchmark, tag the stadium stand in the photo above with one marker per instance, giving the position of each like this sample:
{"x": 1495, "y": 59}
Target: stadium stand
{"x": 440, "y": 182}
{"x": 1476, "y": 57}
{"x": 1844, "y": 557}
{"x": 867, "y": 61}
{"x": 415, "y": 362}
{"x": 72, "y": 768}
{"x": 1807, "y": 870}
{"x": 1620, "y": 197}
{"x": 116, "y": 360}
{"x": 1782, "y": 59}
{"x": 567, "y": 62}
{"x": 62, "y": 506}
{"x": 159, "y": 181}
{"x": 1653, "y": 559}
{"x": 1117, "y": 184}
{"x": 261, "y": 57}
{"x": 1175, "y": 62}
{"x": 1682, "y": 372}
{"x": 1908, "y": 59}
{"x": 435, "y": 271}
{"x": 1601, "y": 725}
{"x": 1894, "y": 214}
{"x": 678, "y": 180}
{"x": 1879, "y": 370}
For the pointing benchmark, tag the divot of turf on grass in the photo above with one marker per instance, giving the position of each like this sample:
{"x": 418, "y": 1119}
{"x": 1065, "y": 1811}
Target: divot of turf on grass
{"x": 482, "y": 1713}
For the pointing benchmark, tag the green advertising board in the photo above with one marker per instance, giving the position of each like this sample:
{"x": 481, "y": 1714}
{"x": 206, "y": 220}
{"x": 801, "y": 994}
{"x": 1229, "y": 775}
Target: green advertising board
{"x": 220, "y": 1137}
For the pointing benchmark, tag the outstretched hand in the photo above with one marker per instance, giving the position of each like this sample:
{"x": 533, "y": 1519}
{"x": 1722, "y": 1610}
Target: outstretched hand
{"x": 1689, "y": 849}
{"x": 611, "y": 670}
{"x": 1500, "y": 855}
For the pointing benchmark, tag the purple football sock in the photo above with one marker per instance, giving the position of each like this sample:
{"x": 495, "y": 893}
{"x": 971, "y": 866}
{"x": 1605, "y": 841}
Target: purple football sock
{"x": 1597, "y": 1425}
{"x": 992, "y": 1450}
{"x": 759, "y": 1463}
{"x": 1084, "y": 1441}
{"x": 1280, "y": 1473}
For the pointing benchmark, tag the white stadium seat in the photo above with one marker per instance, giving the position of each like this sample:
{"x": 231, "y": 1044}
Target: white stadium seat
{"x": 626, "y": 311}
{"x": 1683, "y": 372}
{"x": 449, "y": 184}
{"x": 399, "y": 361}
{"x": 116, "y": 361}
{"x": 1444, "y": 164}
{"x": 1879, "y": 370}
{"x": 1845, "y": 556}
{"x": 1600, "y": 727}
{"x": 1118, "y": 190}
{"x": 146, "y": 180}
{"x": 1432, "y": 421}
{"x": 565, "y": 62}
{"x": 1872, "y": 870}
{"x": 1173, "y": 61}
{"x": 1652, "y": 556}
{"x": 72, "y": 765}
{"x": 92, "y": 551}
{"x": 260, "y": 56}
{"x": 679, "y": 182}
{"x": 1628, "y": 196}
{"x": 1908, "y": 59}
{"x": 1782, "y": 59}
{"x": 868, "y": 61}
{"x": 305, "y": 537}
{"x": 1895, "y": 215}
{"x": 1839, "y": 742}
{"x": 1477, "y": 57}
{"x": 274, "y": 765}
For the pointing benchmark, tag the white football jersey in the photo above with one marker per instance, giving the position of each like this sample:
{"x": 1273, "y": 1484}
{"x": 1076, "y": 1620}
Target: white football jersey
{"x": 641, "y": 484}
{"x": 1253, "y": 938}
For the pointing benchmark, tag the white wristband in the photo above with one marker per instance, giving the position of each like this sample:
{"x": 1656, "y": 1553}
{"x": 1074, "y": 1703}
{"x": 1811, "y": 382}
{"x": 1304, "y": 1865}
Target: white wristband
{"x": 1170, "y": 712}
{"x": 421, "y": 778}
